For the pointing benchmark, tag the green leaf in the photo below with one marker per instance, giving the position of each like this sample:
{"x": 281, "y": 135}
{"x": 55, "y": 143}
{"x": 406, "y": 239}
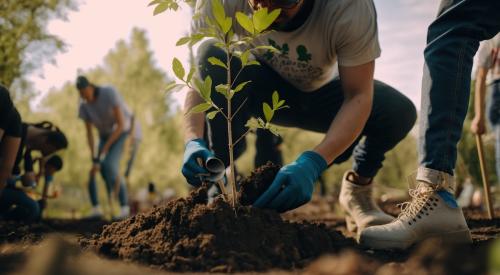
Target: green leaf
{"x": 207, "y": 88}
{"x": 262, "y": 20}
{"x": 219, "y": 13}
{"x": 160, "y": 8}
{"x": 202, "y": 107}
{"x": 268, "y": 112}
{"x": 269, "y": 48}
{"x": 178, "y": 68}
{"x": 280, "y": 103}
{"x": 154, "y": 2}
{"x": 276, "y": 98}
{"x": 190, "y": 74}
{"x": 195, "y": 38}
{"x": 172, "y": 86}
{"x": 253, "y": 62}
{"x": 217, "y": 62}
{"x": 200, "y": 87}
{"x": 223, "y": 89}
{"x": 226, "y": 26}
{"x": 183, "y": 41}
{"x": 212, "y": 114}
{"x": 245, "y": 22}
{"x": 241, "y": 86}
{"x": 244, "y": 57}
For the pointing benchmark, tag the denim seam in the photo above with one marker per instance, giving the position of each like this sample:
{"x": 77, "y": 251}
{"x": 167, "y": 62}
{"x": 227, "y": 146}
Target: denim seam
{"x": 446, "y": 157}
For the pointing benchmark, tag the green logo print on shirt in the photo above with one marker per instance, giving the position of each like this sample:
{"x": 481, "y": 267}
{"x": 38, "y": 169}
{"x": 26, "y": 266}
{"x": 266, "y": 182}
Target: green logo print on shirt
{"x": 302, "y": 53}
{"x": 301, "y": 50}
{"x": 283, "y": 49}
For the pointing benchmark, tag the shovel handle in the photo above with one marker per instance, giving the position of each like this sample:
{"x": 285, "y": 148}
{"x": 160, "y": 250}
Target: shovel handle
{"x": 484, "y": 175}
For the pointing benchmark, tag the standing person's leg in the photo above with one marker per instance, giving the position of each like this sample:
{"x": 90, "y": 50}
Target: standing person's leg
{"x": 133, "y": 154}
{"x": 96, "y": 211}
{"x": 494, "y": 118}
{"x": 92, "y": 188}
{"x": 497, "y": 151}
{"x": 110, "y": 168}
{"x": 453, "y": 38}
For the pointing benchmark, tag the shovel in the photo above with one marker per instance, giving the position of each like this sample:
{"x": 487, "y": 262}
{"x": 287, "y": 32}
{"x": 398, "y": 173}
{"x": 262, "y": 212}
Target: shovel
{"x": 486, "y": 184}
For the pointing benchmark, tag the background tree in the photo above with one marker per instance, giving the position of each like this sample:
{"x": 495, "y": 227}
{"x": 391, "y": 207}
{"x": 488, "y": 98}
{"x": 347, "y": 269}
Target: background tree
{"x": 25, "y": 43}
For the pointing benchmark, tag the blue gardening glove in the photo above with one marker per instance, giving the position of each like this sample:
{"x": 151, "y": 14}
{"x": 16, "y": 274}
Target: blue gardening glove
{"x": 294, "y": 183}
{"x": 196, "y": 148}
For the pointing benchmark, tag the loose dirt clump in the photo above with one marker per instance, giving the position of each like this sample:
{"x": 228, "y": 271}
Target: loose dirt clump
{"x": 189, "y": 235}
{"x": 258, "y": 182}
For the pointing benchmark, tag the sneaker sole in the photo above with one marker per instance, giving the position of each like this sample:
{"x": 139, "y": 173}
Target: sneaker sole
{"x": 455, "y": 237}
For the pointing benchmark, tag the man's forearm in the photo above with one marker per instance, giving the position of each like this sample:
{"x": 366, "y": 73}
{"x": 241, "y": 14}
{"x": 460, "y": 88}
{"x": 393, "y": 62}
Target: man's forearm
{"x": 346, "y": 126}
{"x": 194, "y": 124}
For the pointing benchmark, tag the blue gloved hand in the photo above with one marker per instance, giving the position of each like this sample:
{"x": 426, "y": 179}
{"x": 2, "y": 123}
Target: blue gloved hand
{"x": 294, "y": 183}
{"x": 196, "y": 148}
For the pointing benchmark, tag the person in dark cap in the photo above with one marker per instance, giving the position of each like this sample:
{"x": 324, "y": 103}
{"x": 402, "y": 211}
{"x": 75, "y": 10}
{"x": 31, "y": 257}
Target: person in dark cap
{"x": 103, "y": 108}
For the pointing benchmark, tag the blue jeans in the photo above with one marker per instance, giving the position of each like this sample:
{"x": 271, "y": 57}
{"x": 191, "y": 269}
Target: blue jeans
{"x": 133, "y": 154}
{"x": 16, "y": 205}
{"x": 110, "y": 170}
{"x": 452, "y": 41}
{"x": 392, "y": 116}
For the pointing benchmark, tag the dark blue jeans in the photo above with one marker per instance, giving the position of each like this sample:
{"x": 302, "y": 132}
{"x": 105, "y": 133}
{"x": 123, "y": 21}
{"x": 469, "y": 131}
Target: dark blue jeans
{"x": 110, "y": 170}
{"x": 16, "y": 205}
{"x": 452, "y": 41}
{"x": 392, "y": 116}
{"x": 494, "y": 117}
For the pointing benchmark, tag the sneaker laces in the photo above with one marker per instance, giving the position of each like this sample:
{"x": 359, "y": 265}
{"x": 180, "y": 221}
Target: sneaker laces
{"x": 419, "y": 197}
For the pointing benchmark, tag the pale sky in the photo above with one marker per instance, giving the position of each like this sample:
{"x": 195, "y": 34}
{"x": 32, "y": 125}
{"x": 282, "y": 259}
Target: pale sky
{"x": 95, "y": 28}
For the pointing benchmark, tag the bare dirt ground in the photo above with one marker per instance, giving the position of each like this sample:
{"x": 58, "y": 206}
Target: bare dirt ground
{"x": 51, "y": 247}
{"x": 187, "y": 235}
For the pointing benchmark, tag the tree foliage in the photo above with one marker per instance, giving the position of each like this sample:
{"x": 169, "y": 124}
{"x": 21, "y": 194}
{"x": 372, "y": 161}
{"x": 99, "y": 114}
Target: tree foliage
{"x": 25, "y": 43}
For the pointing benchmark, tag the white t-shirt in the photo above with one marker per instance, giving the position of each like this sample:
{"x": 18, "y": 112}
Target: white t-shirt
{"x": 489, "y": 57}
{"x": 100, "y": 112}
{"x": 343, "y": 31}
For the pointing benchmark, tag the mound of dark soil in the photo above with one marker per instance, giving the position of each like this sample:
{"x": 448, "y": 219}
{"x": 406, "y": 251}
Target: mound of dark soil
{"x": 259, "y": 180}
{"x": 189, "y": 235}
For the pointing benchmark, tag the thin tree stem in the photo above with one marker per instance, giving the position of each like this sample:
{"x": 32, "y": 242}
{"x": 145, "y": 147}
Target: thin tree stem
{"x": 237, "y": 110}
{"x": 232, "y": 180}
{"x": 242, "y": 136}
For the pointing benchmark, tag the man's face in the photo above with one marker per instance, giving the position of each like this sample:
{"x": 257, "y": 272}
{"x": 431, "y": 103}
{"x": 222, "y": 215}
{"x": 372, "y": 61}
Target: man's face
{"x": 86, "y": 93}
{"x": 289, "y": 8}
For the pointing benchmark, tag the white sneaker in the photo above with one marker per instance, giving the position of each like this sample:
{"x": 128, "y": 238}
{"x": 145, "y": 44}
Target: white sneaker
{"x": 360, "y": 209}
{"x": 124, "y": 213}
{"x": 432, "y": 213}
{"x": 95, "y": 213}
